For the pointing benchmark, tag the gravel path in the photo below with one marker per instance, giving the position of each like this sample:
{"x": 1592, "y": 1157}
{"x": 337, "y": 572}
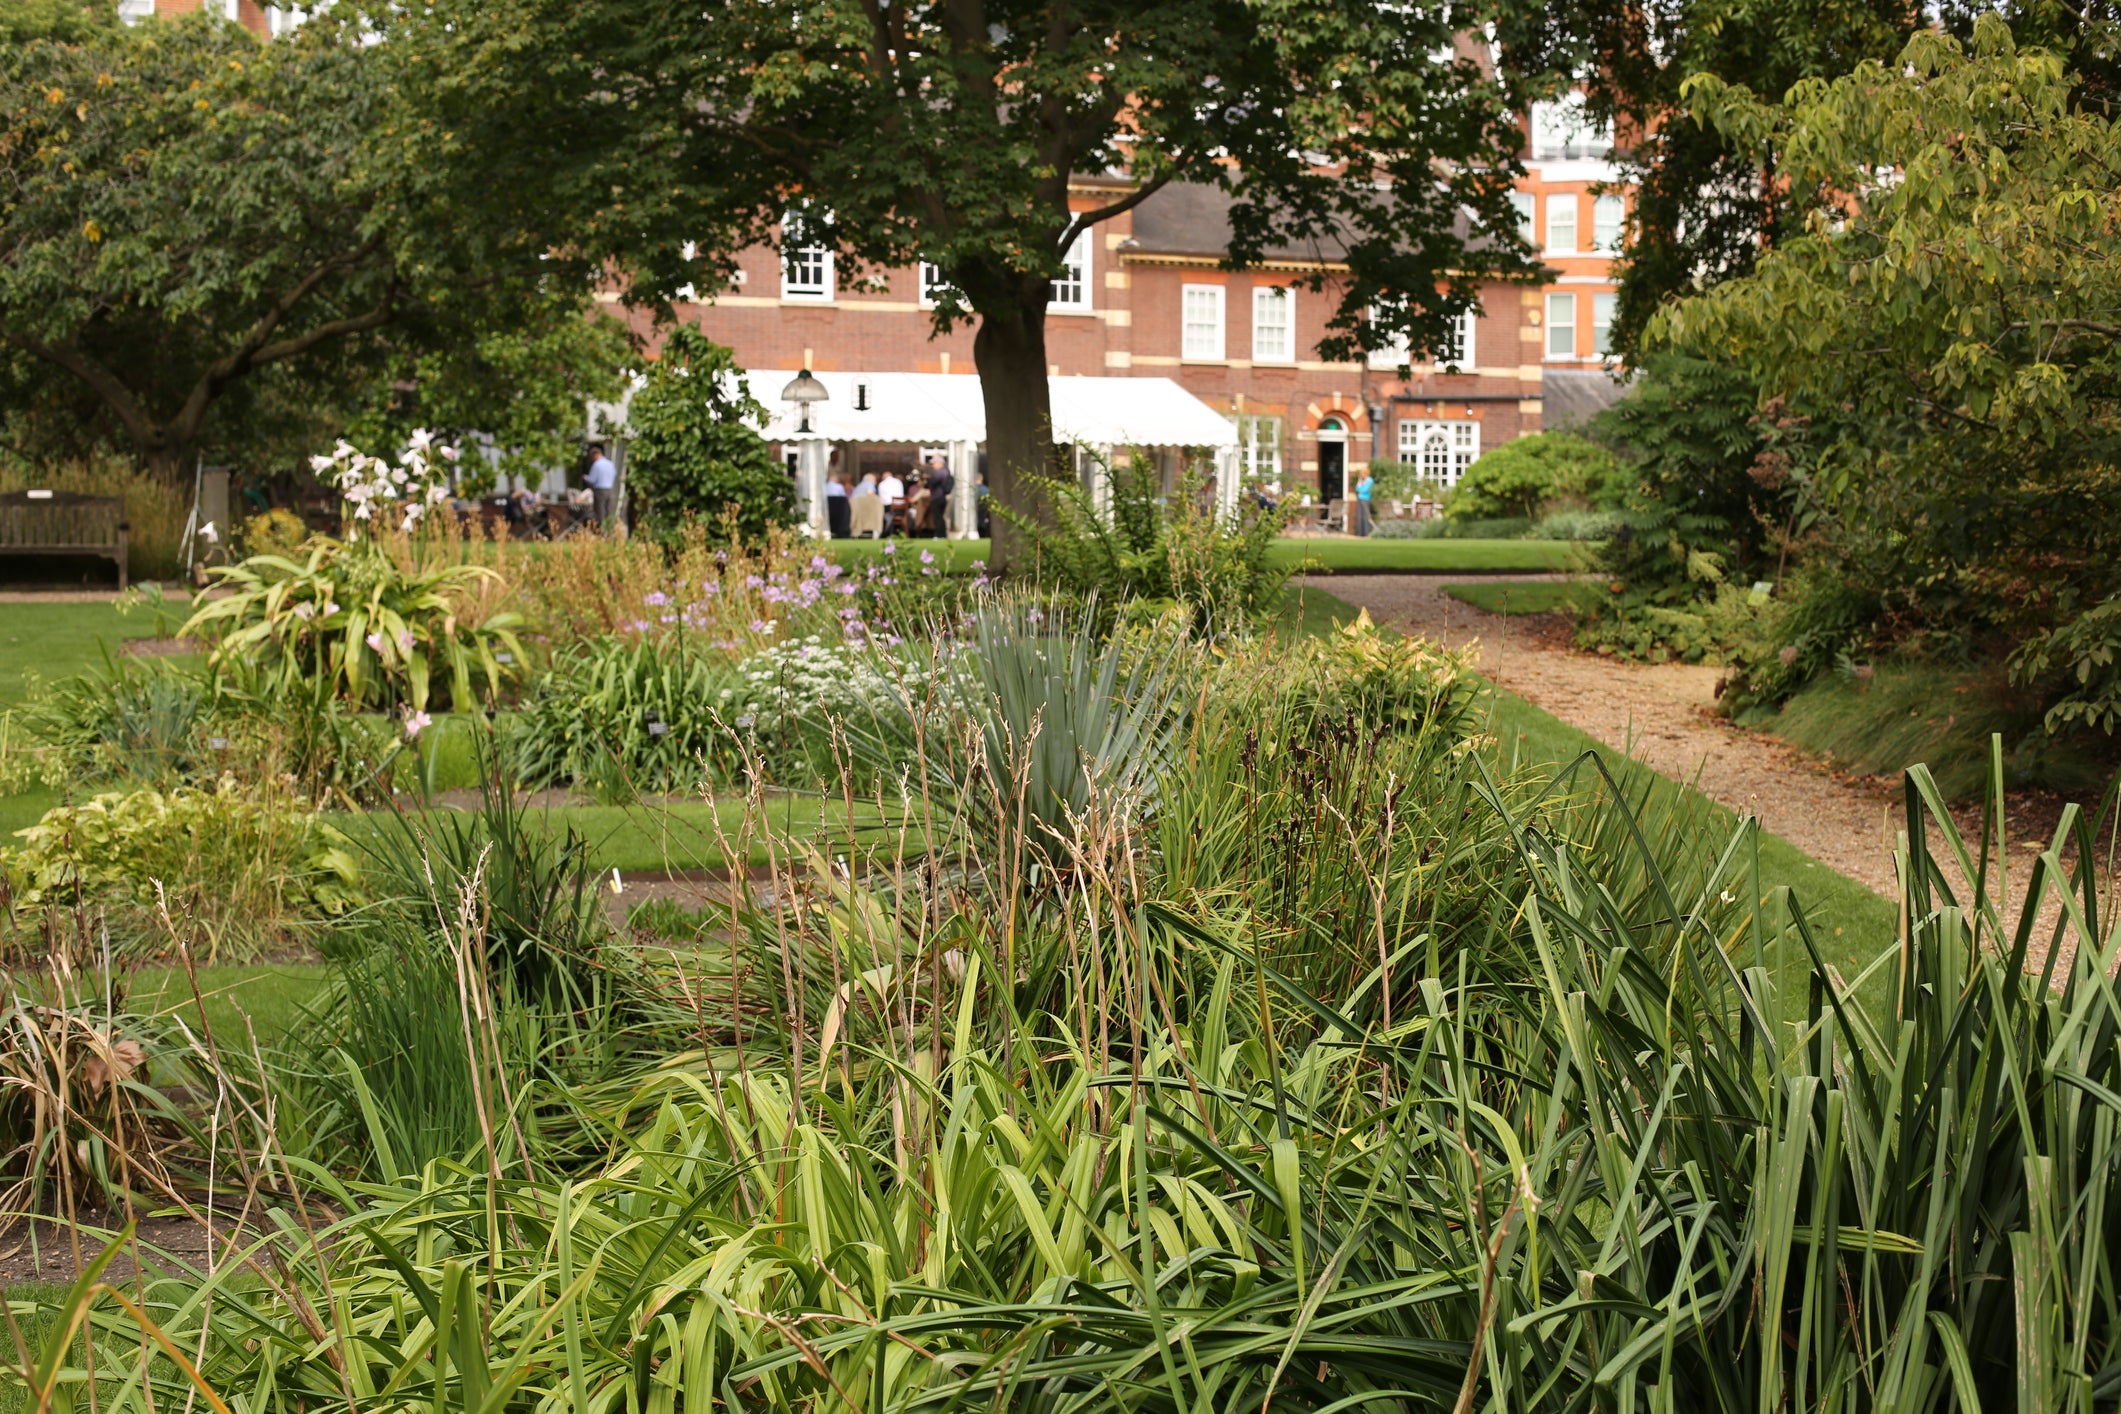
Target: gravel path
{"x": 1660, "y": 714}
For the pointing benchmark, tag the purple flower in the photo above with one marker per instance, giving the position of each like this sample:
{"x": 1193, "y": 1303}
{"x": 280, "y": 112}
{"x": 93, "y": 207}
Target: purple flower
{"x": 818, "y": 562}
{"x": 752, "y": 581}
{"x": 405, "y": 640}
{"x": 850, "y": 588}
{"x": 927, "y": 558}
{"x": 890, "y": 549}
{"x": 761, "y": 626}
{"x": 415, "y": 724}
{"x": 656, "y": 600}
{"x": 639, "y": 625}
{"x": 670, "y": 618}
{"x": 375, "y": 644}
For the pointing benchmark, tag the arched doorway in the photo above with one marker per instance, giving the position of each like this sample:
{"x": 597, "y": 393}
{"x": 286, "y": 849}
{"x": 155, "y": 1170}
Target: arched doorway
{"x": 1332, "y": 459}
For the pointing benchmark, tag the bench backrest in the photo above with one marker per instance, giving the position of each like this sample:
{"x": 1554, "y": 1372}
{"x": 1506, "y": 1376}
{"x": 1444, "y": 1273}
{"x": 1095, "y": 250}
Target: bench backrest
{"x": 61, "y": 518}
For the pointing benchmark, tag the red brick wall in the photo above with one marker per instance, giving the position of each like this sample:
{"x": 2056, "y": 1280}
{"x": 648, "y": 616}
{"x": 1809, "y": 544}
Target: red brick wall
{"x": 1134, "y": 329}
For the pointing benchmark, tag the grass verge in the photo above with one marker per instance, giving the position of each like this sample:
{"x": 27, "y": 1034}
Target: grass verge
{"x": 1941, "y": 716}
{"x": 1511, "y": 597}
{"x": 1374, "y": 556}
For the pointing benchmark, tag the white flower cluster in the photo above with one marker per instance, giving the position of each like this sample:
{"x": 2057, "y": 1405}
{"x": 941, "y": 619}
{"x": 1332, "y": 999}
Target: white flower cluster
{"x": 806, "y": 678}
{"x": 374, "y": 488}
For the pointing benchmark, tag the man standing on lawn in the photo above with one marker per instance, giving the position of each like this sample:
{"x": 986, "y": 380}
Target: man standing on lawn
{"x": 603, "y": 484}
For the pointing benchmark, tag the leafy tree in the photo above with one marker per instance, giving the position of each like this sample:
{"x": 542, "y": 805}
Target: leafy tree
{"x": 695, "y": 452}
{"x": 192, "y": 220}
{"x": 1956, "y": 315}
{"x": 1531, "y": 474}
{"x": 670, "y": 135}
{"x": 69, "y": 21}
{"x": 1703, "y": 205}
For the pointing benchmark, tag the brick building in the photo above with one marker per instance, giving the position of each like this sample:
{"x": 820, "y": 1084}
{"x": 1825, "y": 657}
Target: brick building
{"x": 260, "y": 19}
{"x": 1144, "y": 294}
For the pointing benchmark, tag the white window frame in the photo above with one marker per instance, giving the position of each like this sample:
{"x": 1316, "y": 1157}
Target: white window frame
{"x": 1558, "y": 300}
{"x": 816, "y": 255}
{"x": 1258, "y": 446}
{"x": 822, "y": 291}
{"x": 1439, "y": 449}
{"x": 932, "y": 282}
{"x": 1527, "y": 216}
{"x": 1265, "y": 297}
{"x": 1397, "y": 354}
{"x": 1562, "y": 131}
{"x": 1561, "y": 204}
{"x": 1468, "y": 344}
{"x": 1609, "y": 216}
{"x": 1197, "y": 349}
{"x": 1603, "y": 308}
{"x": 134, "y": 11}
{"x": 1063, "y": 299}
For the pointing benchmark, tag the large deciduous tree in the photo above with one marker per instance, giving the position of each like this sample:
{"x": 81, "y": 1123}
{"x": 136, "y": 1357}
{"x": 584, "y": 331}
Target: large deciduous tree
{"x": 192, "y": 219}
{"x": 661, "y": 137}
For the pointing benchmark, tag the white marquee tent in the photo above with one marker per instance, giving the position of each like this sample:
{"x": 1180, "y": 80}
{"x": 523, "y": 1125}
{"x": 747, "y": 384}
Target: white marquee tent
{"x": 945, "y": 410}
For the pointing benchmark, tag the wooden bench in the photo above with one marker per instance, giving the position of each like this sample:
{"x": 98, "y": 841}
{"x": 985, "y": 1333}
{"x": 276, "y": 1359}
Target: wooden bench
{"x": 63, "y": 523}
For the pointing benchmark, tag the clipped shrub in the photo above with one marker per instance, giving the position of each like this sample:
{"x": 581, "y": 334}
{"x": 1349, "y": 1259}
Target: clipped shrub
{"x": 1528, "y": 475}
{"x": 1578, "y": 525}
{"x": 695, "y": 453}
{"x": 274, "y": 532}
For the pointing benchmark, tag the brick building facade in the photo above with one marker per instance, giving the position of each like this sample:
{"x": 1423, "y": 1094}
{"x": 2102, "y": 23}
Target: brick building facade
{"x": 1145, "y": 295}
{"x": 266, "y": 20}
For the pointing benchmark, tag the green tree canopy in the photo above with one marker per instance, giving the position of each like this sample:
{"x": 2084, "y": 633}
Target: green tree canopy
{"x": 192, "y": 220}
{"x": 669, "y": 136}
{"x": 1953, "y": 306}
{"x": 1704, "y": 205}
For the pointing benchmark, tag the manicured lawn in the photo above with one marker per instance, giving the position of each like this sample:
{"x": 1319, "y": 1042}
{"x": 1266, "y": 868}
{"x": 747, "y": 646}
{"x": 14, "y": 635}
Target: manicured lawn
{"x": 272, "y": 994}
{"x": 1515, "y": 597}
{"x": 50, "y": 641}
{"x": 1324, "y": 555}
{"x": 951, "y": 556}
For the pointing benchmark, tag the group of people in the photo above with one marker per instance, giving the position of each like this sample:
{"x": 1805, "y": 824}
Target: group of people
{"x": 921, "y": 508}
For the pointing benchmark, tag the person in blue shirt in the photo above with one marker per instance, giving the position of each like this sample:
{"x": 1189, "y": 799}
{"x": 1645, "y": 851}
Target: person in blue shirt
{"x": 603, "y": 484}
{"x": 1363, "y": 488}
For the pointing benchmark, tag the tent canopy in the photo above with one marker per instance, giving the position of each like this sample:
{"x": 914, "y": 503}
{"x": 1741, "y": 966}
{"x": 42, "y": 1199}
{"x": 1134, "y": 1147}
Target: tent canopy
{"x": 936, "y": 409}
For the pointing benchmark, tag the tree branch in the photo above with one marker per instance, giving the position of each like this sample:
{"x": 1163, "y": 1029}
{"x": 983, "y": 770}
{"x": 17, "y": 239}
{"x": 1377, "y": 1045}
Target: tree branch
{"x": 100, "y": 380}
{"x": 253, "y": 349}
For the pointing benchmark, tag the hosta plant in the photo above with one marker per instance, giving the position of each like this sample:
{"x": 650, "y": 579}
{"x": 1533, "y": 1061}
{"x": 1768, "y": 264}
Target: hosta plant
{"x": 384, "y": 635}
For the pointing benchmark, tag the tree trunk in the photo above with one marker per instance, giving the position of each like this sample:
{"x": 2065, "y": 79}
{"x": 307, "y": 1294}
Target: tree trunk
{"x": 1010, "y": 350}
